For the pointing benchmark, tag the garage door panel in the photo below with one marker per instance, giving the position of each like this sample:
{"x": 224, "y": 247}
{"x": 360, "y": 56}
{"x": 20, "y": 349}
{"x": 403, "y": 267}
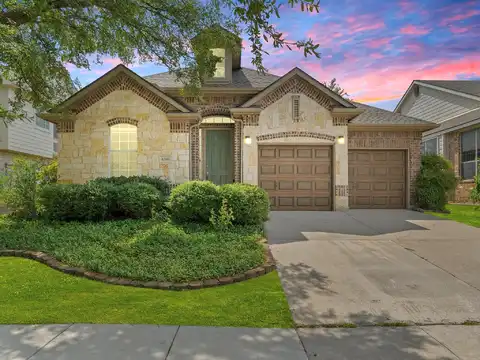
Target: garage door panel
{"x": 297, "y": 177}
{"x": 286, "y": 153}
{"x": 377, "y": 179}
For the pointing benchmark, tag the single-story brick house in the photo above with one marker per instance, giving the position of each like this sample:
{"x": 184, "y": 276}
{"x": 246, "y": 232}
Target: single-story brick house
{"x": 307, "y": 146}
{"x": 455, "y": 106}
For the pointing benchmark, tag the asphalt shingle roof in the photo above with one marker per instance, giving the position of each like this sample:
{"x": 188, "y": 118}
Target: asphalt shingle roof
{"x": 241, "y": 78}
{"x": 470, "y": 87}
{"x": 374, "y": 115}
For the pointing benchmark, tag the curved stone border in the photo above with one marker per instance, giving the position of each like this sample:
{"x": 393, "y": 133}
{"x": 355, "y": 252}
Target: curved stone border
{"x": 268, "y": 266}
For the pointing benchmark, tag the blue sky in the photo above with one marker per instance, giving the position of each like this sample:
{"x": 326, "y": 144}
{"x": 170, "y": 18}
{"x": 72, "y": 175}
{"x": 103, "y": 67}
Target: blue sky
{"x": 374, "y": 48}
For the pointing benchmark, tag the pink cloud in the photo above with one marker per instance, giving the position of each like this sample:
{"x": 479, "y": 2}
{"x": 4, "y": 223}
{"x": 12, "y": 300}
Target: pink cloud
{"x": 458, "y": 17}
{"x": 390, "y": 82}
{"x": 406, "y": 5}
{"x": 414, "y": 30}
{"x": 363, "y": 23}
{"x": 112, "y": 61}
{"x": 376, "y": 43}
{"x": 377, "y": 56}
{"x": 458, "y": 30}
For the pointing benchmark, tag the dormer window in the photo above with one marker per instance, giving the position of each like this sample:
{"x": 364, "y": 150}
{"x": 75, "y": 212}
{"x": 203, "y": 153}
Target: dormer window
{"x": 220, "y": 66}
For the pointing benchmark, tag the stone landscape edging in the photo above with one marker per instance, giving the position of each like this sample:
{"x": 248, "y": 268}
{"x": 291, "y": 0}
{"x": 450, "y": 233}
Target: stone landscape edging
{"x": 265, "y": 268}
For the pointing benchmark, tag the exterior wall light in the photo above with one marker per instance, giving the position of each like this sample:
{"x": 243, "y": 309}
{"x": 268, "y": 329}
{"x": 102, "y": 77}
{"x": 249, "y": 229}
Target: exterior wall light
{"x": 247, "y": 140}
{"x": 341, "y": 140}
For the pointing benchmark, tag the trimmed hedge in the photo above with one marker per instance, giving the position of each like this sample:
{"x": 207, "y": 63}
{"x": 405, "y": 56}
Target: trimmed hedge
{"x": 161, "y": 184}
{"x": 97, "y": 201}
{"x": 193, "y": 201}
{"x": 249, "y": 203}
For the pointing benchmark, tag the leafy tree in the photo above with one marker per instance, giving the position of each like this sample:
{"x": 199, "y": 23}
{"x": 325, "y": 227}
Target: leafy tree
{"x": 39, "y": 37}
{"x": 334, "y": 86}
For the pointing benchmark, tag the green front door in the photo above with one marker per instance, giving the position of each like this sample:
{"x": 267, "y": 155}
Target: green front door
{"x": 219, "y": 156}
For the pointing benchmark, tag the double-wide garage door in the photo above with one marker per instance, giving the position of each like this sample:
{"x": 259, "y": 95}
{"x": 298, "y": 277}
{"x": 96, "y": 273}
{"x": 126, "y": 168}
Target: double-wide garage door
{"x": 377, "y": 179}
{"x": 296, "y": 177}
{"x": 300, "y": 177}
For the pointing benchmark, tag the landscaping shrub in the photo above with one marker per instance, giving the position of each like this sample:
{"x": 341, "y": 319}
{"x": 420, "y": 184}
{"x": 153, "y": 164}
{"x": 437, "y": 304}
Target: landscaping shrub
{"x": 475, "y": 193}
{"x": 48, "y": 173}
{"x": 162, "y": 185}
{"x": 138, "y": 200}
{"x": 222, "y": 220}
{"x": 435, "y": 180}
{"x": 193, "y": 201}
{"x": 249, "y": 203}
{"x": 88, "y": 202}
{"x": 19, "y": 187}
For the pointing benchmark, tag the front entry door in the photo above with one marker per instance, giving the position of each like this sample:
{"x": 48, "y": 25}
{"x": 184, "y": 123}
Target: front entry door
{"x": 219, "y": 156}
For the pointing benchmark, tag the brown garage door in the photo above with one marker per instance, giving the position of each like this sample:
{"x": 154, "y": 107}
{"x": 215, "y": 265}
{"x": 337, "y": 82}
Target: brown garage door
{"x": 296, "y": 177}
{"x": 376, "y": 179}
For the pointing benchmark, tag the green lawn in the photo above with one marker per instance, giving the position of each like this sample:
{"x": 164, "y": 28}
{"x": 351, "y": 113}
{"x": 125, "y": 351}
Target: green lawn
{"x": 467, "y": 214}
{"x": 140, "y": 249}
{"x": 32, "y": 293}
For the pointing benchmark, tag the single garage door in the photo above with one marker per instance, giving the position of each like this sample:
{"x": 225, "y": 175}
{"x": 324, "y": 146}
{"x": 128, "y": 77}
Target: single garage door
{"x": 296, "y": 177}
{"x": 377, "y": 179}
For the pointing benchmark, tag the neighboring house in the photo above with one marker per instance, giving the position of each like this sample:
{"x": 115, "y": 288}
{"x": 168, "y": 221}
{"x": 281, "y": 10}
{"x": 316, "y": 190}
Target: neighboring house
{"x": 31, "y": 136}
{"x": 455, "y": 106}
{"x": 309, "y": 148}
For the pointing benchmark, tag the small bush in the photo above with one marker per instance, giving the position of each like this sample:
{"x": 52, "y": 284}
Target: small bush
{"x": 48, "y": 173}
{"x": 435, "y": 181}
{"x": 475, "y": 193}
{"x": 249, "y": 203}
{"x": 138, "y": 200}
{"x": 67, "y": 202}
{"x": 222, "y": 221}
{"x": 193, "y": 201}
{"x": 162, "y": 185}
{"x": 19, "y": 187}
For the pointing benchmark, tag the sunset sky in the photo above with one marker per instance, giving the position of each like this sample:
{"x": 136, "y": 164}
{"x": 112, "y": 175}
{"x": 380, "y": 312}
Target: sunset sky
{"x": 374, "y": 48}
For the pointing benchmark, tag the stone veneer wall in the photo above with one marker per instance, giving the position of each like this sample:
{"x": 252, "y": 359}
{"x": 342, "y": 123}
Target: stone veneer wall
{"x": 464, "y": 187}
{"x": 314, "y": 118}
{"x": 409, "y": 141}
{"x": 84, "y": 153}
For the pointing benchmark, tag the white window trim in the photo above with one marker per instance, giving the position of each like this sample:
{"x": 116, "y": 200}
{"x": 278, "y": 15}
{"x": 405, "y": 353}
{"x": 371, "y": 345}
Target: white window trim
{"x": 110, "y": 151}
{"x": 224, "y": 64}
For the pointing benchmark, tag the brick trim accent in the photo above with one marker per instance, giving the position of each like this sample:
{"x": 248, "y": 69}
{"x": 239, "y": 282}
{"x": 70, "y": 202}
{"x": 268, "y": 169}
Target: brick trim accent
{"x": 237, "y": 151}
{"x": 402, "y": 140}
{"x": 341, "y": 190}
{"x": 289, "y": 134}
{"x": 122, "y": 120}
{"x": 121, "y": 82}
{"x": 179, "y": 127}
{"x": 219, "y": 126}
{"x": 195, "y": 152}
{"x": 340, "y": 121}
{"x": 297, "y": 85}
{"x": 214, "y": 110}
{"x": 66, "y": 126}
{"x": 266, "y": 267}
{"x": 248, "y": 119}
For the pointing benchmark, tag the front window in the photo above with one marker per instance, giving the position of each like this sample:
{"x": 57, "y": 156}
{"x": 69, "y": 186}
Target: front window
{"x": 430, "y": 147}
{"x": 470, "y": 153}
{"x": 123, "y": 150}
{"x": 220, "y": 66}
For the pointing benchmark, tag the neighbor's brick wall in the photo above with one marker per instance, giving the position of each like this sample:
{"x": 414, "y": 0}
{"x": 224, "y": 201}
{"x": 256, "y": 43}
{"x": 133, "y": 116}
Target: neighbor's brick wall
{"x": 407, "y": 140}
{"x": 84, "y": 153}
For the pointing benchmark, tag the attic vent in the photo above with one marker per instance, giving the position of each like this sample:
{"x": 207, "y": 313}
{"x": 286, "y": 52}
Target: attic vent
{"x": 296, "y": 108}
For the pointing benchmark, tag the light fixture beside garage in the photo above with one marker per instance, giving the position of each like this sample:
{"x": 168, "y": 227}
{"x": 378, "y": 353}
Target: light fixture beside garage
{"x": 247, "y": 140}
{"x": 341, "y": 140}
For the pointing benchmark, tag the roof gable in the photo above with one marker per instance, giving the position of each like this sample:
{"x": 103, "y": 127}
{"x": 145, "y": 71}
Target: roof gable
{"x": 119, "y": 78}
{"x": 297, "y": 80}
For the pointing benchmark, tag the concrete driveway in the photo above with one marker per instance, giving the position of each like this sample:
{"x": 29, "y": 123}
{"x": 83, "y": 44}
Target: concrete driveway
{"x": 376, "y": 266}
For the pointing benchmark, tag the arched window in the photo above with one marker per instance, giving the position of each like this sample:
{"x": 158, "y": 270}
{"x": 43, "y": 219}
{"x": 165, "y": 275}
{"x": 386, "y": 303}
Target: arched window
{"x": 123, "y": 150}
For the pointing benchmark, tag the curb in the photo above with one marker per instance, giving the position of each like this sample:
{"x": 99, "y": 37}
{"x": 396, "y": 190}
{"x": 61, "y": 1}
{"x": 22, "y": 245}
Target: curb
{"x": 268, "y": 266}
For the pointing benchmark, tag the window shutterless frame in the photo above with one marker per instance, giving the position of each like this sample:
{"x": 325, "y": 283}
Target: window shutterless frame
{"x": 123, "y": 148}
{"x": 474, "y": 154}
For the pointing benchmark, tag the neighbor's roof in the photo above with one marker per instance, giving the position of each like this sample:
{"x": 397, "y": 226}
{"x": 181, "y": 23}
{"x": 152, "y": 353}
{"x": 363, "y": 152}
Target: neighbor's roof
{"x": 377, "y": 116}
{"x": 241, "y": 78}
{"x": 470, "y": 87}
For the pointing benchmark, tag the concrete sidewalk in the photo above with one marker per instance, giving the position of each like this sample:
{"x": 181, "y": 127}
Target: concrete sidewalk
{"x": 150, "y": 342}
